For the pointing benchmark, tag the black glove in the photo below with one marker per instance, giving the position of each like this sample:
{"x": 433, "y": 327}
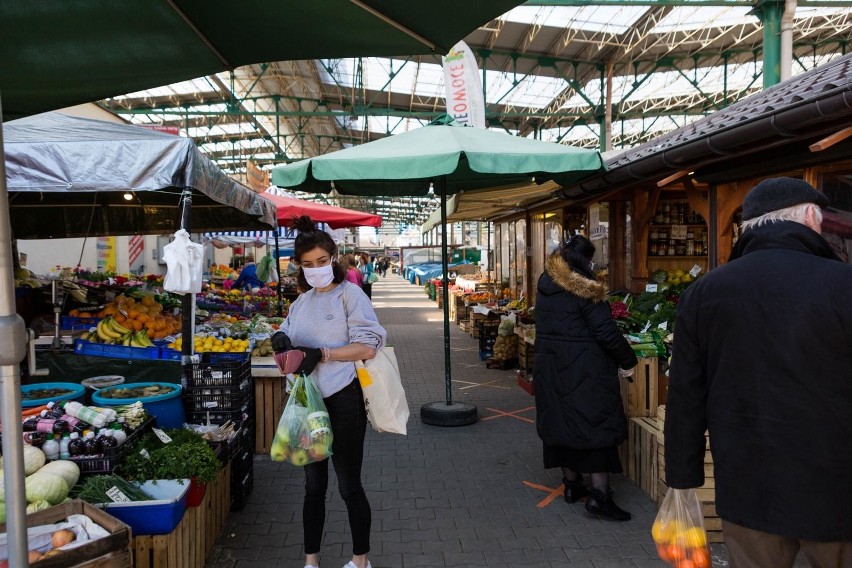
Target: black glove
{"x": 313, "y": 355}
{"x": 281, "y": 343}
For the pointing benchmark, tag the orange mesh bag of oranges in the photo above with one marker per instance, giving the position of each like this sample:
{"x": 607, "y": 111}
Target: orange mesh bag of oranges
{"x": 678, "y": 531}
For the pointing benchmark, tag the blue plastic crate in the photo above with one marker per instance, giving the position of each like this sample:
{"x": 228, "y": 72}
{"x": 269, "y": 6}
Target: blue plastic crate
{"x": 160, "y": 516}
{"x": 71, "y": 322}
{"x": 83, "y": 347}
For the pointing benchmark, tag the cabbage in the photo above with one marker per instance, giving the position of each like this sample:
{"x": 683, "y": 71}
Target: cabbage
{"x": 37, "y": 506}
{"x": 66, "y": 469}
{"x": 45, "y": 487}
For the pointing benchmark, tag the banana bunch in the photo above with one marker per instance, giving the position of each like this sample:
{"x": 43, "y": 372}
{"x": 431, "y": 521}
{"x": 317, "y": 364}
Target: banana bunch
{"x": 112, "y": 332}
{"x": 518, "y": 305}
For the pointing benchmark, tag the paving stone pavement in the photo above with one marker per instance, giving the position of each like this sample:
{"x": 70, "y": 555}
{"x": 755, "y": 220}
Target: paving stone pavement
{"x": 445, "y": 497}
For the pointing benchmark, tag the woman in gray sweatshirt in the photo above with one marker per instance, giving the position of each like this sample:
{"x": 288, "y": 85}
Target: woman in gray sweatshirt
{"x": 334, "y": 324}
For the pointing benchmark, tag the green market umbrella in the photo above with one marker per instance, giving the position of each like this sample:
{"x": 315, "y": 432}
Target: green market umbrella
{"x": 58, "y": 54}
{"x": 451, "y": 159}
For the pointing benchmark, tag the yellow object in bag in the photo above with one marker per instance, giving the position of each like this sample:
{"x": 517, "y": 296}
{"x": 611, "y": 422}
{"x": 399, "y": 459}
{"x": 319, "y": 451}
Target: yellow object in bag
{"x": 384, "y": 397}
{"x": 363, "y": 376}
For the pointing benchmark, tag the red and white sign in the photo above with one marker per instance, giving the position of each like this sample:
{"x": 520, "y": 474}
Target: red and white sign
{"x": 175, "y": 130}
{"x": 136, "y": 246}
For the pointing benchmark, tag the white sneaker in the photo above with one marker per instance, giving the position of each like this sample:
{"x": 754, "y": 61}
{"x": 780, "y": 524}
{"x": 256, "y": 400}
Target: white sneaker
{"x": 350, "y": 564}
{"x": 310, "y": 566}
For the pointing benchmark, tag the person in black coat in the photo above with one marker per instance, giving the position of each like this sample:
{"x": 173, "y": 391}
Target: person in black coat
{"x": 579, "y": 357}
{"x": 763, "y": 361}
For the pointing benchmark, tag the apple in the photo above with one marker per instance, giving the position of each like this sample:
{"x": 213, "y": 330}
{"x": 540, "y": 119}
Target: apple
{"x": 279, "y": 451}
{"x": 299, "y": 457}
{"x": 318, "y": 451}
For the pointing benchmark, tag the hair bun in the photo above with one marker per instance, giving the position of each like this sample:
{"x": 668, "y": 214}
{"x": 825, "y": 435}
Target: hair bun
{"x": 303, "y": 224}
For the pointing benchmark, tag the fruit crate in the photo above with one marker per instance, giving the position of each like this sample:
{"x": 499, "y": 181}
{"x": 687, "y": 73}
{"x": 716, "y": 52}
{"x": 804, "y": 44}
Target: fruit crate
{"x": 241, "y": 488}
{"x": 502, "y": 364}
{"x": 83, "y": 347}
{"x": 106, "y": 462}
{"x": 75, "y": 323}
{"x": 217, "y": 370}
{"x": 217, "y": 397}
{"x": 217, "y": 416}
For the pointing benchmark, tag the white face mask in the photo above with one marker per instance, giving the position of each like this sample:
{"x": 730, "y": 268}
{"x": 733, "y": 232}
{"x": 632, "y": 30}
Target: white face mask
{"x": 319, "y": 277}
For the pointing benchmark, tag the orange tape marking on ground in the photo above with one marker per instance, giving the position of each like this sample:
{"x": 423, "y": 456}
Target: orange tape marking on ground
{"x": 513, "y": 414}
{"x": 553, "y": 493}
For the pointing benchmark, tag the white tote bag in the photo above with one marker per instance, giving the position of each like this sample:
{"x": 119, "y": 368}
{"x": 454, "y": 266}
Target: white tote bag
{"x": 384, "y": 397}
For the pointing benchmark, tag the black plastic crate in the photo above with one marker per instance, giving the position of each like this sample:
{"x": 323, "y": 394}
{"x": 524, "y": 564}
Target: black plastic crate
{"x": 217, "y": 370}
{"x": 487, "y": 328}
{"x": 241, "y": 490}
{"x": 486, "y": 343}
{"x": 217, "y": 416}
{"x": 107, "y": 461}
{"x": 218, "y": 398}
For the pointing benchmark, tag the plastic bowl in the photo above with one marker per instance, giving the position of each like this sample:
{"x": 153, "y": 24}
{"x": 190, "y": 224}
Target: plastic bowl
{"x": 168, "y": 408}
{"x": 78, "y": 393}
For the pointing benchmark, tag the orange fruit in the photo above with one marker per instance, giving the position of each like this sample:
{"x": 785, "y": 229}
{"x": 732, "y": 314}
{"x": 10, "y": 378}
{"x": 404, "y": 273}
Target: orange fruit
{"x": 74, "y": 313}
{"x": 685, "y": 563}
{"x": 700, "y": 558}
{"x": 676, "y": 553}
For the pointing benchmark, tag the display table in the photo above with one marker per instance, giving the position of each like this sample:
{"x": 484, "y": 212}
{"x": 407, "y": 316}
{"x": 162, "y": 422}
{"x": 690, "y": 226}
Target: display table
{"x": 69, "y": 367}
{"x": 188, "y": 545}
{"x": 269, "y": 396}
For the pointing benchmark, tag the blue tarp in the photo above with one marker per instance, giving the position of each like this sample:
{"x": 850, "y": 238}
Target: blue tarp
{"x": 427, "y": 270}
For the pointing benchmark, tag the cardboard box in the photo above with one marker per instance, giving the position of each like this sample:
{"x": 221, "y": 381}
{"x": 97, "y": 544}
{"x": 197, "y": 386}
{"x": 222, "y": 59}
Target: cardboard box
{"x": 112, "y": 551}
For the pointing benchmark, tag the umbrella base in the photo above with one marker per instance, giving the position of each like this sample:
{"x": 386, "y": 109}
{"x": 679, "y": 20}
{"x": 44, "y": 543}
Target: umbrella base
{"x": 440, "y": 413}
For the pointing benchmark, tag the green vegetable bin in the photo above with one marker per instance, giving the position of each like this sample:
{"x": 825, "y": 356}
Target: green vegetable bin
{"x": 77, "y": 392}
{"x": 168, "y": 408}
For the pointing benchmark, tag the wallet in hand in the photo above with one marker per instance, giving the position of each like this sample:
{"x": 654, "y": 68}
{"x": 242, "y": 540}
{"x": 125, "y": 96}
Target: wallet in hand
{"x": 289, "y": 361}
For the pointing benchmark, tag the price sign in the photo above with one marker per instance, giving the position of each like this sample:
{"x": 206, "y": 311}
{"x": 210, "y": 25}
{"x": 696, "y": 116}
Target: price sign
{"x": 116, "y": 495}
{"x": 647, "y": 325}
{"x": 664, "y": 326}
{"x": 144, "y": 453}
{"x": 657, "y": 308}
{"x": 164, "y": 438}
{"x": 650, "y": 287}
{"x": 678, "y": 232}
{"x": 696, "y": 270}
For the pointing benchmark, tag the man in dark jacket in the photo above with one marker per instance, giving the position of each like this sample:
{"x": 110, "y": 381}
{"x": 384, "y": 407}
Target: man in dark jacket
{"x": 763, "y": 361}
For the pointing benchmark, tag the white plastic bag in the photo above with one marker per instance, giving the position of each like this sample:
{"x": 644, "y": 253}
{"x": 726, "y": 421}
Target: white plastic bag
{"x": 384, "y": 396}
{"x": 184, "y": 265}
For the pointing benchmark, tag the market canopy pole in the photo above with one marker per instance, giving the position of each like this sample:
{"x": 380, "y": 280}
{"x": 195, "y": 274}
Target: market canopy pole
{"x": 14, "y": 346}
{"x": 187, "y": 302}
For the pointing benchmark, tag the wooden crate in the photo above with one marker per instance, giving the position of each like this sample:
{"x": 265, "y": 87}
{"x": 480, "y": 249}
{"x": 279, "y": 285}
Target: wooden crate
{"x": 526, "y": 354}
{"x": 642, "y": 454}
{"x": 269, "y": 398}
{"x": 112, "y": 551}
{"x": 706, "y": 493}
{"x": 188, "y": 545}
{"x": 640, "y": 397}
{"x": 464, "y": 325}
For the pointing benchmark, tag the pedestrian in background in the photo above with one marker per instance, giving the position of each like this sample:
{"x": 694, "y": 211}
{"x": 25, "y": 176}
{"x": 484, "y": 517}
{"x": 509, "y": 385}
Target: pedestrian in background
{"x": 367, "y": 270}
{"x": 352, "y": 273}
{"x": 579, "y": 357}
{"x": 762, "y": 360}
{"x": 333, "y": 331}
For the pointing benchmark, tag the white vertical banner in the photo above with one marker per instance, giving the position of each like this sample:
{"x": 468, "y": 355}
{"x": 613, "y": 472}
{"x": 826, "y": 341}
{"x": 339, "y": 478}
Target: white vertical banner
{"x": 463, "y": 87}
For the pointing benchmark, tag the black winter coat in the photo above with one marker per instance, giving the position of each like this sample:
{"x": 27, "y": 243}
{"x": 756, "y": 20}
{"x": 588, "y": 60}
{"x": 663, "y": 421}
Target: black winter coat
{"x": 763, "y": 359}
{"x": 578, "y": 350}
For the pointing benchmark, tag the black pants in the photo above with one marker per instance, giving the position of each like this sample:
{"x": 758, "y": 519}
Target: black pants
{"x": 349, "y": 425}
{"x": 368, "y": 289}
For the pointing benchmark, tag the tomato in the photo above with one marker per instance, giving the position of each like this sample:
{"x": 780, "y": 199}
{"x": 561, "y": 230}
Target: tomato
{"x": 663, "y": 552}
{"x": 685, "y": 563}
{"x": 700, "y": 558}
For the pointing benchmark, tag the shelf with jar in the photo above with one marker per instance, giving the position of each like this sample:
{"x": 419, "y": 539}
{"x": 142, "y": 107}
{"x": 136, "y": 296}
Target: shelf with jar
{"x": 677, "y": 231}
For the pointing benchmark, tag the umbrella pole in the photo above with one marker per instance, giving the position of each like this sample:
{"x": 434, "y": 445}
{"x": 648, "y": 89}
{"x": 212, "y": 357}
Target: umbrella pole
{"x": 278, "y": 272}
{"x": 13, "y": 339}
{"x": 187, "y": 302}
{"x": 447, "y": 412}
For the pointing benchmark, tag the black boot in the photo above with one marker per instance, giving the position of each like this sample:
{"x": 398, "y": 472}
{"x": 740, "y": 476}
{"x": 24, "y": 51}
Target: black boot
{"x": 601, "y": 503}
{"x": 575, "y": 490}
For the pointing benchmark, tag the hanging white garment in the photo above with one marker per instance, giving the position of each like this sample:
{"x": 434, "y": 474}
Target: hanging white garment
{"x": 184, "y": 265}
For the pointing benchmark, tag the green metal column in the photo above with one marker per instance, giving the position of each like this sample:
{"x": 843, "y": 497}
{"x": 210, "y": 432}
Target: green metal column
{"x": 769, "y": 12}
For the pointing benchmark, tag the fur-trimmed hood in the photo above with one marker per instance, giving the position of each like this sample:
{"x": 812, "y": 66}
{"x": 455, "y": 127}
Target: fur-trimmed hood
{"x": 572, "y": 282}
